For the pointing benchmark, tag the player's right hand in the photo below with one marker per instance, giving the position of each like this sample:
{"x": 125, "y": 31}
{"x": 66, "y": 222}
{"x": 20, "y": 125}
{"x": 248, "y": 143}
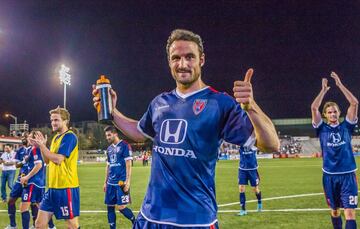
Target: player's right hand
{"x": 96, "y": 97}
{"x": 104, "y": 188}
{"x": 325, "y": 86}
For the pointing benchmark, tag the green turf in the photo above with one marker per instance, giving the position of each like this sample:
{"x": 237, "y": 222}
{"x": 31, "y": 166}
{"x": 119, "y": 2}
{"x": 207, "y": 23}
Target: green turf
{"x": 279, "y": 177}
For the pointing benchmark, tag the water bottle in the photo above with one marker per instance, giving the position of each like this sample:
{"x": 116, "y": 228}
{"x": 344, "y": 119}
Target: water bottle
{"x": 104, "y": 108}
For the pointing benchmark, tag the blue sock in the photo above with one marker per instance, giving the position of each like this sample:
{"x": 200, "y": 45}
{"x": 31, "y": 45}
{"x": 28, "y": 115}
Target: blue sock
{"x": 34, "y": 212}
{"x": 51, "y": 223}
{"x": 242, "y": 200}
{"x": 111, "y": 217}
{"x": 25, "y": 219}
{"x": 350, "y": 224}
{"x": 128, "y": 214}
{"x": 258, "y": 196}
{"x": 337, "y": 222}
{"x": 12, "y": 212}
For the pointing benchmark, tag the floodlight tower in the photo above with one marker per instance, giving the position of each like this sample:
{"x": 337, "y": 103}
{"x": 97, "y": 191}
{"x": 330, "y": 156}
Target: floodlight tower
{"x": 65, "y": 78}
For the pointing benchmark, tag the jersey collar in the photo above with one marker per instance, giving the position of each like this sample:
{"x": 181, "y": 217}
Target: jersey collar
{"x": 184, "y": 96}
{"x": 117, "y": 143}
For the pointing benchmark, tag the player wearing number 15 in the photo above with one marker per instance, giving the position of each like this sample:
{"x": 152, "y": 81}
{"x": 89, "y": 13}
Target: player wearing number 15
{"x": 339, "y": 179}
{"x": 117, "y": 178}
{"x": 62, "y": 198}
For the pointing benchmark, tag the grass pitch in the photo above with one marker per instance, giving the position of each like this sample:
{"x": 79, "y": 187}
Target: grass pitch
{"x": 291, "y": 189}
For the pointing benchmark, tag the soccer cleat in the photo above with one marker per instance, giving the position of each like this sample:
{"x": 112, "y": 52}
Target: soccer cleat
{"x": 242, "y": 213}
{"x": 10, "y": 227}
{"x": 259, "y": 207}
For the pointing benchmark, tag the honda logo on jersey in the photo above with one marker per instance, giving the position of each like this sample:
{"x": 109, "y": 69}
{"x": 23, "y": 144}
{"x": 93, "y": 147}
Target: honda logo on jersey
{"x": 199, "y": 105}
{"x": 173, "y": 131}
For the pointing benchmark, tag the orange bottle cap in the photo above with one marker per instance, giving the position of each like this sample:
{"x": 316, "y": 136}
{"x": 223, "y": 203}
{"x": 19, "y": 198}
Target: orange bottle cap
{"x": 103, "y": 80}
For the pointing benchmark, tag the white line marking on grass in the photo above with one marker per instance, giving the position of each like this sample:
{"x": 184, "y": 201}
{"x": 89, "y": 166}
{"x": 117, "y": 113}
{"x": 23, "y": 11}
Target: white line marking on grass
{"x": 275, "y": 198}
{"x": 226, "y": 211}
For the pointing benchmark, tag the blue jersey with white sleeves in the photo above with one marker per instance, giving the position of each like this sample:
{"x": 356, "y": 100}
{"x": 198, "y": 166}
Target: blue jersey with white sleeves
{"x": 117, "y": 155}
{"x": 248, "y": 159}
{"x": 336, "y": 148}
{"x": 187, "y": 131}
{"x": 35, "y": 157}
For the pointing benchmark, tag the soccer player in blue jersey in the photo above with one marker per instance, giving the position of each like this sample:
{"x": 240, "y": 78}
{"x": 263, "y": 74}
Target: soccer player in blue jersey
{"x": 339, "y": 166}
{"x": 248, "y": 173}
{"x": 118, "y": 177}
{"x": 20, "y": 158}
{"x": 187, "y": 126}
{"x": 62, "y": 199}
{"x": 33, "y": 183}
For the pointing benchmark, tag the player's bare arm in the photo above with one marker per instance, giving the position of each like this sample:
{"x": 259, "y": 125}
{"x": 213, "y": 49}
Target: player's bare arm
{"x": 267, "y": 139}
{"x": 352, "y": 111}
{"x": 40, "y": 141}
{"x": 315, "y": 113}
{"x": 35, "y": 170}
{"x": 106, "y": 176}
{"x": 125, "y": 124}
{"x": 128, "y": 175}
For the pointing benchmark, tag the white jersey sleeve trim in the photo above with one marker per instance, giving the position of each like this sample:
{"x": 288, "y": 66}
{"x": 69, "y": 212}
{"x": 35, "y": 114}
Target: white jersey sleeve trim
{"x": 142, "y": 132}
{"x": 338, "y": 172}
{"x": 179, "y": 225}
{"x": 316, "y": 125}
{"x": 351, "y": 122}
{"x": 128, "y": 158}
{"x": 37, "y": 161}
{"x": 250, "y": 142}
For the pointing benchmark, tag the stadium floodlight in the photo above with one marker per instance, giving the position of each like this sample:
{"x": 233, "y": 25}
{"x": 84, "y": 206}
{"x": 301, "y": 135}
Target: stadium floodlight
{"x": 65, "y": 78}
{"x": 7, "y": 115}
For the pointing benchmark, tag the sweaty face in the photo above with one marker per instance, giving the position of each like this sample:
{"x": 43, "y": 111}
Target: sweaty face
{"x": 332, "y": 115}
{"x": 57, "y": 123}
{"x": 185, "y": 62}
{"x": 110, "y": 137}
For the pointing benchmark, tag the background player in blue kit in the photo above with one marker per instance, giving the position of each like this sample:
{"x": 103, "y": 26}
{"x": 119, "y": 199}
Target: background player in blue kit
{"x": 33, "y": 183}
{"x": 118, "y": 176}
{"x": 339, "y": 178}
{"x": 187, "y": 126}
{"x": 248, "y": 173}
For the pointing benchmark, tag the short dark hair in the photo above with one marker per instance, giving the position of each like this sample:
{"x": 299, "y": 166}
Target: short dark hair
{"x": 112, "y": 129}
{"x": 184, "y": 35}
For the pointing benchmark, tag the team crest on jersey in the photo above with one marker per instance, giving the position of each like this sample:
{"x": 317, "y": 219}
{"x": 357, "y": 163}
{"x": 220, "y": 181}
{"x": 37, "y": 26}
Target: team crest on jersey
{"x": 199, "y": 105}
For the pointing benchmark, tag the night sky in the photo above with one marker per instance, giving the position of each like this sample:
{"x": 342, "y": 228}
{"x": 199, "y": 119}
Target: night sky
{"x": 290, "y": 44}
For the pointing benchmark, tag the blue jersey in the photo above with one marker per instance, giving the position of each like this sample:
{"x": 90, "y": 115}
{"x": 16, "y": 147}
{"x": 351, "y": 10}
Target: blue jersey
{"x": 248, "y": 158}
{"x": 335, "y": 142}
{"x": 20, "y": 156}
{"x": 37, "y": 179}
{"x": 187, "y": 131}
{"x": 117, "y": 155}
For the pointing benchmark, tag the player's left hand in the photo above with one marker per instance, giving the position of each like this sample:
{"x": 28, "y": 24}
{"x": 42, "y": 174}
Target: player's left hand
{"x": 336, "y": 78}
{"x": 24, "y": 180}
{"x": 127, "y": 187}
{"x": 243, "y": 92}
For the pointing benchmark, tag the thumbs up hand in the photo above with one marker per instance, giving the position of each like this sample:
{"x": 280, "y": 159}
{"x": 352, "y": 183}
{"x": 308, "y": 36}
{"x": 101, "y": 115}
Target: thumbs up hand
{"x": 243, "y": 92}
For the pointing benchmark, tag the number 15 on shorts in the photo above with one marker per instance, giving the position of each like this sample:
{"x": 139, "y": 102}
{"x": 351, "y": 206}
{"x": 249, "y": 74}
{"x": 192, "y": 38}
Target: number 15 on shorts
{"x": 65, "y": 211}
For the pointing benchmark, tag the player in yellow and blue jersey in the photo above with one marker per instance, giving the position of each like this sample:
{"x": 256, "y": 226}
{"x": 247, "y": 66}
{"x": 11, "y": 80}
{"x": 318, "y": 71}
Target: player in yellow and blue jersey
{"x": 63, "y": 197}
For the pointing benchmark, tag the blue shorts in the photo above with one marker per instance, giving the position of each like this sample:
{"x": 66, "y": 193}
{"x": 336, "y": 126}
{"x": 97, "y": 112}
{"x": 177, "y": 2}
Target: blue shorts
{"x": 115, "y": 196}
{"x": 246, "y": 176}
{"x": 16, "y": 191}
{"x": 141, "y": 223}
{"x": 32, "y": 193}
{"x": 63, "y": 202}
{"x": 341, "y": 190}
